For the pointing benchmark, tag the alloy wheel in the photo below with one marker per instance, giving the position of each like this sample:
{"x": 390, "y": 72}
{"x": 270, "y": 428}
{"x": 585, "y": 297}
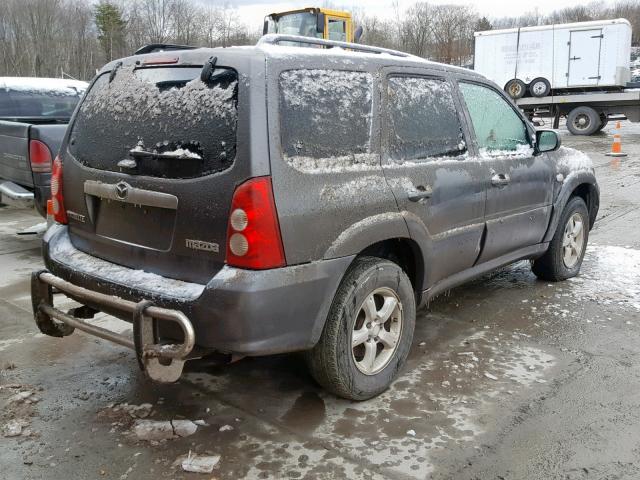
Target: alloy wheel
{"x": 376, "y": 331}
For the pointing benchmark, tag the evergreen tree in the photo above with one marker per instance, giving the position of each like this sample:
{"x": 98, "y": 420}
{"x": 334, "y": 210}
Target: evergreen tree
{"x": 111, "y": 28}
{"x": 483, "y": 24}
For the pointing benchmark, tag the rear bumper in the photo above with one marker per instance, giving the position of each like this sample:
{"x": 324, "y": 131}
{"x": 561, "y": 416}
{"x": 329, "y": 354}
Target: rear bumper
{"x": 16, "y": 195}
{"x": 238, "y": 311}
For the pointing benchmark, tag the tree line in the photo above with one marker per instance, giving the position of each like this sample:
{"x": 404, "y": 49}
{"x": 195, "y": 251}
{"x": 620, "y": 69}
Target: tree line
{"x": 73, "y": 38}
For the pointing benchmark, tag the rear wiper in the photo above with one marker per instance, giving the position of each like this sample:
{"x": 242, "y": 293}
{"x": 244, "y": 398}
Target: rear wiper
{"x": 180, "y": 154}
{"x": 140, "y": 154}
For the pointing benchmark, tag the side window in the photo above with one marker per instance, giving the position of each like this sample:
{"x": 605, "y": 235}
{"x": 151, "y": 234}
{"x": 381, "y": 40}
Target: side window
{"x": 326, "y": 115}
{"x": 423, "y": 120}
{"x": 337, "y": 30}
{"x": 498, "y": 127}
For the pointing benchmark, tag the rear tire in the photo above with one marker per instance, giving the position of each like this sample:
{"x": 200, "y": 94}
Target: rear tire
{"x": 539, "y": 87}
{"x": 564, "y": 257}
{"x": 583, "y": 121}
{"x": 354, "y": 358}
{"x": 515, "y": 88}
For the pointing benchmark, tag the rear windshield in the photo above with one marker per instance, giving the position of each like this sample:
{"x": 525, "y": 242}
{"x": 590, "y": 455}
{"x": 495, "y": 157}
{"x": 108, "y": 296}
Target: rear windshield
{"x": 33, "y": 102}
{"x": 162, "y": 122}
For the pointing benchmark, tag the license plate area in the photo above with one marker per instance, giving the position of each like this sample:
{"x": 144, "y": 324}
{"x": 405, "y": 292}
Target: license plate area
{"x": 142, "y": 225}
{"x": 132, "y": 215}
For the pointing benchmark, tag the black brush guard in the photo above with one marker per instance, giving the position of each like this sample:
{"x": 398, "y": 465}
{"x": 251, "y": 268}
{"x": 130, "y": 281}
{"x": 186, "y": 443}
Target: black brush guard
{"x": 160, "y": 362}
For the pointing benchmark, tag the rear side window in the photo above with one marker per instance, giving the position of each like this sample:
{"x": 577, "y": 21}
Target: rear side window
{"x": 498, "y": 127}
{"x": 325, "y": 118}
{"x": 162, "y": 122}
{"x": 423, "y": 119}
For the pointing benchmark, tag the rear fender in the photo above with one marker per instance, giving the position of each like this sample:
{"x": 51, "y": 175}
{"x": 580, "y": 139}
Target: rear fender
{"x": 366, "y": 232}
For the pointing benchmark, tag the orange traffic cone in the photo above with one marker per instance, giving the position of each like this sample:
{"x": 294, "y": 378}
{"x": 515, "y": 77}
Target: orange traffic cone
{"x": 616, "y": 146}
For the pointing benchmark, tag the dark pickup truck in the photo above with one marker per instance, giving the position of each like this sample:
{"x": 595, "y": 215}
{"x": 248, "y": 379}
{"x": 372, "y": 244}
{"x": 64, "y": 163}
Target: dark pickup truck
{"x": 34, "y": 113}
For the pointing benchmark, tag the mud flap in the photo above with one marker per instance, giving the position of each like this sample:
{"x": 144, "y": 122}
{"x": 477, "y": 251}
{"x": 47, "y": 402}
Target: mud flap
{"x": 41, "y": 293}
{"x": 145, "y": 339}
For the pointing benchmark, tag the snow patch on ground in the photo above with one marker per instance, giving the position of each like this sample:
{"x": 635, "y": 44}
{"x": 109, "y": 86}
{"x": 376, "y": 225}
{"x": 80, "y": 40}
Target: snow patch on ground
{"x": 610, "y": 276}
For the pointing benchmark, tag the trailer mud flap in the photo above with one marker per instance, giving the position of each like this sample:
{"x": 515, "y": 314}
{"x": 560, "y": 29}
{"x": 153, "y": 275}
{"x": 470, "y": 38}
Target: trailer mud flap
{"x": 162, "y": 362}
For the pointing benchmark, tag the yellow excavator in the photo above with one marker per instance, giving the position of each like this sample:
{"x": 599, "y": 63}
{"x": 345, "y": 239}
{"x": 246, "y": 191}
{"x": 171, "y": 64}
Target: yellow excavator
{"x": 313, "y": 22}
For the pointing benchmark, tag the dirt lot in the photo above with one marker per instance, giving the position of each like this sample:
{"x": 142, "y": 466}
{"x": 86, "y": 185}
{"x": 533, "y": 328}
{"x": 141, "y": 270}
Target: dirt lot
{"x": 508, "y": 378}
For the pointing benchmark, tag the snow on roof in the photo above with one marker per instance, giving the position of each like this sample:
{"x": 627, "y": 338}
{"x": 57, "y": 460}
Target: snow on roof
{"x": 37, "y": 84}
{"x": 289, "y": 51}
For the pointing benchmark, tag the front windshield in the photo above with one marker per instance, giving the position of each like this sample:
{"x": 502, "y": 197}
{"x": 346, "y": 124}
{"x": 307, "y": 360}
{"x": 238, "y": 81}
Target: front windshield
{"x": 301, "y": 23}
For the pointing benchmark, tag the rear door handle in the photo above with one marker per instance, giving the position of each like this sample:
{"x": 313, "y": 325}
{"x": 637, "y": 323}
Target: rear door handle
{"x": 419, "y": 193}
{"x": 500, "y": 179}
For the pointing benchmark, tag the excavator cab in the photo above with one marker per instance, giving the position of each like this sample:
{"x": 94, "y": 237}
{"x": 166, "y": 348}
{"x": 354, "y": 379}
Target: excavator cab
{"x": 313, "y": 22}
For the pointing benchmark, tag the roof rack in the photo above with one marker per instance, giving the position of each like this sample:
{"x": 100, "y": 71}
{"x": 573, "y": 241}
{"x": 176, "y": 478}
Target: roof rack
{"x": 162, "y": 47}
{"x": 274, "y": 39}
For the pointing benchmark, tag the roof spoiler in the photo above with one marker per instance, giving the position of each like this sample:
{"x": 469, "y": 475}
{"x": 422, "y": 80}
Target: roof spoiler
{"x": 162, "y": 47}
{"x": 274, "y": 39}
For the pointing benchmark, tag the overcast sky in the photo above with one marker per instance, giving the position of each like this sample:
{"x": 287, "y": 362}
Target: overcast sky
{"x": 252, "y": 12}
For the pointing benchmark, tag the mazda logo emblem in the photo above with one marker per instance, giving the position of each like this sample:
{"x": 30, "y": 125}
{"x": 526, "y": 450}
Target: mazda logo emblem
{"x": 122, "y": 190}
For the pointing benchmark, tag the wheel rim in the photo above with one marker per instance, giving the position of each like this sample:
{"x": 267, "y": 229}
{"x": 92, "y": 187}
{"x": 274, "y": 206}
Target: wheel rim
{"x": 539, "y": 88}
{"x": 582, "y": 121}
{"x": 376, "y": 331}
{"x": 515, "y": 89}
{"x": 573, "y": 240}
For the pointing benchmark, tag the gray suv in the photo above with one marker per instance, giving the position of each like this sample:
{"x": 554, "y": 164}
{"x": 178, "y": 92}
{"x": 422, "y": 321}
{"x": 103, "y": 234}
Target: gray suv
{"x": 254, "y": 201}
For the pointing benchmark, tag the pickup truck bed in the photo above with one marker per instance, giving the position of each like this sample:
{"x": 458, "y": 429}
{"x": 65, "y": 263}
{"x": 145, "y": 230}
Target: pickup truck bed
{"x": 18, "y": 183}
{"x": 34, "y": 113}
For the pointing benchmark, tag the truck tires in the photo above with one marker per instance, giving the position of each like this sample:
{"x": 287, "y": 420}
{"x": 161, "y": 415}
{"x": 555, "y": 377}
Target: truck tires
{"x": 368, "y": 332}
{"x": 539, "y": 87}
{"x": 583, "y": 121}
{"x": 564, "y": 257}
{"x": 515, "y": 88}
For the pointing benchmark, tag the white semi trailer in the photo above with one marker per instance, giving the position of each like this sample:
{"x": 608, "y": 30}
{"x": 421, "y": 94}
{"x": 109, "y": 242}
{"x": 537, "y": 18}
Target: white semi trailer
{"x": 548, "y": 59}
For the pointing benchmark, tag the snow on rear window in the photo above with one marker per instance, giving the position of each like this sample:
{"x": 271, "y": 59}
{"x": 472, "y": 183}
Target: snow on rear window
{"x": 326, "y": 119}
{"x": 161, "y": 114}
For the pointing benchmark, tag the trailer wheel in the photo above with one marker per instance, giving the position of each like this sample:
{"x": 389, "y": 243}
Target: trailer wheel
{"x": 515, "y": 88}
{"x": 539, "y": 87}
{"x": 583, "y": 121}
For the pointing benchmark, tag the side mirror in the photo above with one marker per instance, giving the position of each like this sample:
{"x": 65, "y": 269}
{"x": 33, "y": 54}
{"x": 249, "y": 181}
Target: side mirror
{"x": 547, "y": 141}
{"x": 358, "y": 34}
{"x": 320, "y": 23}
{"x": 265, "y": 27}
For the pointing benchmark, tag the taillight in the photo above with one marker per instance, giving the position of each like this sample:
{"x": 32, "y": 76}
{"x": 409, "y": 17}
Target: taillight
{"x": 39, "y": 156}
{"x": 57, "y": 200}
{"x": 253, "y": 234}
